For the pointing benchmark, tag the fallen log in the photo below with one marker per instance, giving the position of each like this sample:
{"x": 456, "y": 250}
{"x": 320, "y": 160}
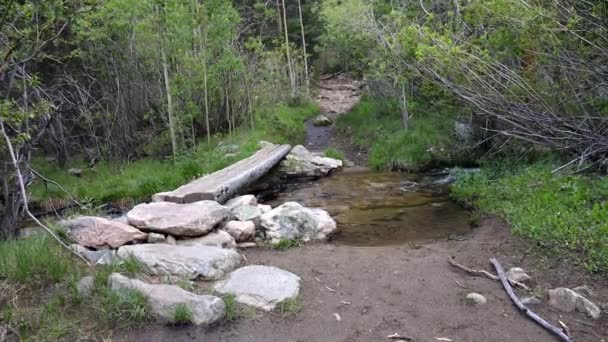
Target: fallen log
{"x": 224, "y": 184}
{"x": 536, "y": 318}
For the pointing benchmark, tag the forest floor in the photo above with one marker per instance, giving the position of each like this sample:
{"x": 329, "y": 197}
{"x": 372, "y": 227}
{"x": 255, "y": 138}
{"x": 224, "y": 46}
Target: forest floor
{"x": 367, "y": 293}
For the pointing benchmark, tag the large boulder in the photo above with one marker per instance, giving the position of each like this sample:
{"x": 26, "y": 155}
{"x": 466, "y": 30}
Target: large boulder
{"x": 302, "y": 163}
{"x": 241, "y": 200}
{"x": 240, "y": 231}
{"x": 192, "y": 219}
{"x": 163, "y": 300}
{"x": 99, "y": 233}
{"x": 191, "y": 262}
{"x": 218, "y": 238}
{"x": 260, "y": 286}
{"x": 293, "y": 221}
{"x": 567, "y": 300}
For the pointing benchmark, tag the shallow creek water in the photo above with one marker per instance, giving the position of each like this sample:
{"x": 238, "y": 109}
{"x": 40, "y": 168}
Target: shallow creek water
{"x": 377, "y": 209}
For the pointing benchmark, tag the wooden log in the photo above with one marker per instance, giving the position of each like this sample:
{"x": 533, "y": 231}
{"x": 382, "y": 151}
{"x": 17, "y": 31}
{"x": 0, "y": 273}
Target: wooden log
{"x": 224, "y": 184}
{"x": 536, "y": 318}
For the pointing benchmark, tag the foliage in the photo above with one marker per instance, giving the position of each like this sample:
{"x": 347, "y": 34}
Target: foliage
{"x": 284, "y": 244}
{"x": 181, "y": 314}
{"x": 333, "y": 153}
{"x": 566, "y": 214}
{"x": 290, "y": 307}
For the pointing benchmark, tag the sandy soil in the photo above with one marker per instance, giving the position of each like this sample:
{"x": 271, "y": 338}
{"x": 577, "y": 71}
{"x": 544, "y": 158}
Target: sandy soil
{"x": 408, "y": 289}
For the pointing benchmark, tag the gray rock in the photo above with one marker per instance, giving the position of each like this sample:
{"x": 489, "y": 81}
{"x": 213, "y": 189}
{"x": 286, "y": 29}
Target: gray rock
{"x": 518, "y": 274}
{"x": 240, "y": 231}
{"x": 293, "y": 221}
{"x": 567, "y": 300}
{"x": 247, "y": 213}
{"x": 218, "y": 238}
{"x": 85, "y": 286}
{"x": 264, "y": 143}
{"x": 75, "y": 172}
{"x": 156, "y": 238}
{"x": 322, "y": 120}
{"x": 260, "y": 286}
{"x": 584, "y": 291}
{"x": 97, "y": 232}
{"x": 301, "y": 163}
{"x": 192, "y": 219}
{"x": 241, "y": 200}
{"x": 476, "y": 299}
{"x": 190, "y": 262}
{"x": 464, "y": 131}
{"x": 530, "y": 301}
{"x": 102, "y": 257}
{"x": 264, "y": 208}
{"x": 227, "y": 148}
{"x": 121, "y": 219}
{"x": 171, "y": 240}
{"x": 244, "y": 245}
{"x": 163, "y": 300}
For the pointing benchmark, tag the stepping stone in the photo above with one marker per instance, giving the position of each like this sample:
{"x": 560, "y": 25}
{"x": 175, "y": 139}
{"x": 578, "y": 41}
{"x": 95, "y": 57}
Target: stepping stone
{"x": 97, "y": 232}
{"x": 206, "y": 262}
{"x": 188, "y": 220}
{"x": 218, "y": 238}
{"x": 293, "y": 221}
{"x": 260, "y": 286}
{"x": 163, "y": 299}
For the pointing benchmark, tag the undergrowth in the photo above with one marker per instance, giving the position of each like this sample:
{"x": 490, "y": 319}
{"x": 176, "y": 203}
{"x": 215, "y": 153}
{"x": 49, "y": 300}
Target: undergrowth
{"x": 565, "y": 214}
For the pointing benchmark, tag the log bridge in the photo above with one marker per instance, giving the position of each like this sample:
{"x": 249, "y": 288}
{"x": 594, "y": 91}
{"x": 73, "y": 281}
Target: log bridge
{"x": 226, "y": 183}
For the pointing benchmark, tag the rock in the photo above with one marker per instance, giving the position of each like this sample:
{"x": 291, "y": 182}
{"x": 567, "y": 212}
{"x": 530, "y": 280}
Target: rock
{"x": 227, "y": 148}
{"x": 264, "y": 143}
{"x": 97, "y": 232}
{"x": 301, "y": 163}
{"x": 476, "y": 299}
{"x": 103, "y": 257}
{"x": 75, "y": 172}
{"x": 156, "y": 238}
{"x": 85, "y": 286}
{"x": 530, "y": 301}
{"x": 464, "y": 132}
{"x": 190, "y": 262}
{"x": 241, "y": 200}
{"x": 240, "y": 231}
{"x": 293, "y": 221}
{"x": 264, "y": 208}
{"x": 160, "y": 197}
{"x": 218, "y": 238}
{"x": 260, "y": 286}
{"x": 518, "y": 274}
{"x": 164, "y": 298}
{"x": 584, "y": 291}
{"x": 244, "y": 245}
{"x": 192, "y": 219}
{"x": 247, "y": 213}
{"x": 121, "y": 219}
{"x": 567, "y": 300}
{"x": 171, "y": 240}
{"x": 322, "y": 120}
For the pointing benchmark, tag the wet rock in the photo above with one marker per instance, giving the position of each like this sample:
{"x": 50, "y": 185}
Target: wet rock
{"x": 322, "y": 120}
{"x": 164, "y": 298}
{"x": 293, "y": 221}
{"x": 75, "y": 172}
{"x": 190, "y": 262}
{"x": 247, "y": 213}
{"x": 97, "y": 232}
{"x": 518, "y": 274}
{"x": 260, "y": 286}
{"x": 102, "y": 257}
{"x": 240, "y": 231}
{"x": 156, "y": 238}
{"x": 85, "y": 286}
{"x": 530, "y": 301}
{"x": 584, "y": 291}
{"x": 121, "y": 219}
{"x": 218, "y": 238}
{"x": 241, "y": 200}
{"x": 567, "y": 300}
{"x": 476, "y": 299}
{"x": 301, "y": 163}
{"x": 185, "y": 220}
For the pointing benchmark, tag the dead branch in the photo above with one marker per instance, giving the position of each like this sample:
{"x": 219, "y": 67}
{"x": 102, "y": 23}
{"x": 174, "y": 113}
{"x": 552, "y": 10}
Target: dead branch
{"x": 46, "y": 180}
{"x": 483, "y": 273}
{"x": 563, "y": 334}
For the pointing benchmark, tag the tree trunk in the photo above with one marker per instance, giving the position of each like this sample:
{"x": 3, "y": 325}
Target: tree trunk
{"x": 304, "y": 47}
{"x": 292, "y": 78}
{"x": 169, "y": 100}
{"x": 405, "y": 115}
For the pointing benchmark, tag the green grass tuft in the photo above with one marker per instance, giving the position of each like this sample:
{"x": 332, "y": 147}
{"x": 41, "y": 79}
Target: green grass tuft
{"x": 333, "y": 153}
{"x": 290, "y": 307}
{"x": 285, "y": 244}
{"x": 181, "y": 314}
{"x": 232, "y": 312}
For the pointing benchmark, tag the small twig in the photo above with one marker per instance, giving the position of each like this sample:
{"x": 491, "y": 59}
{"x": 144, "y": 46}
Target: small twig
{"x": 58, "y": 185}
{"x": 565, "y": 328}
{"x": 523, "y": 308}
{"x": 584, "y": 323}
{"x": 330, "y": 289}
{"x": 483, "y": 273}
{"x": 464, "y": 287}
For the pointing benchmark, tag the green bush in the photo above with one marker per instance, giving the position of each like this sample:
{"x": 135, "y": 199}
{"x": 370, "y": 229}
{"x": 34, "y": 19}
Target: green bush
{"x": 566, "y": 214}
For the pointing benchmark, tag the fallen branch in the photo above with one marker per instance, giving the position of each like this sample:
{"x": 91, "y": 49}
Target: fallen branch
{"x": 483, "y": 273}
{"x": 563, "y": 334}
{"x": 24, "y": 196}
{"x": 46, "y": 180}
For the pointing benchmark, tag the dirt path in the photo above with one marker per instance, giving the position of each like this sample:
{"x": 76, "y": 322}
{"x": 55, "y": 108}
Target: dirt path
{"x": 408, "y": 289}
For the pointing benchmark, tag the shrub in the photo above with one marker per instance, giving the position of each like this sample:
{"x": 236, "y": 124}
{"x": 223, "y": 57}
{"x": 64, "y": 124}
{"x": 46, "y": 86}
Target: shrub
{"x": 181, "y": 314}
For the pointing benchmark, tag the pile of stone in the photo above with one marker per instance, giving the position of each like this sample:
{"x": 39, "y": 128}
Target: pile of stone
{"x": 302, "y": 163}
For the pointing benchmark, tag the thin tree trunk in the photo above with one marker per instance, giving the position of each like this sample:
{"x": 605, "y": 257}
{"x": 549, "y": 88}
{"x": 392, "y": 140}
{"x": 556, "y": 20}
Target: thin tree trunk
{"x": 292, "y": 78}
{"x": 169, "y": 100}
{"x": 304, "y": 47}
{"x": 404, "y": 112}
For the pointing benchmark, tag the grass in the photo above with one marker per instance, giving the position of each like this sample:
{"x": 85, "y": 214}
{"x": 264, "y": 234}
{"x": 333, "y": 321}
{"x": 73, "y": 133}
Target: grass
{"x": 232, "y": 312}
{"x": 284, "y": 244}
{"x": 427, "y": 143}
{"x": 181, "y": 314}
{"x": 567, "y": 215}
{"x": 333, "y": 153}
{"x": 126, "y": 184}
{"x": 290, "y": 307}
